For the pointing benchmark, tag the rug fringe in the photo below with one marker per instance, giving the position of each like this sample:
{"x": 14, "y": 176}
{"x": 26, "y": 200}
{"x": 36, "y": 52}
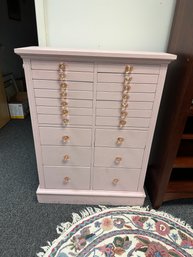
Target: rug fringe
{"x": 63, "y": 227}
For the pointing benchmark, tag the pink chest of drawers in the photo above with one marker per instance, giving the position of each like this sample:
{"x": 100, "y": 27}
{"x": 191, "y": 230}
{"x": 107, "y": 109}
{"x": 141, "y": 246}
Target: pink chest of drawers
{"x": 93, "y": 117}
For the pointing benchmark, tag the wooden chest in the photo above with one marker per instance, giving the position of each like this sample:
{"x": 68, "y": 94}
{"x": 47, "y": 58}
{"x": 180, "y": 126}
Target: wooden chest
{"x": 93, "y": 117}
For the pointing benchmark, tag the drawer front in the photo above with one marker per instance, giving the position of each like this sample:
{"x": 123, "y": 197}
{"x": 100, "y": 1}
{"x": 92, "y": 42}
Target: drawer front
{"x": 72, "y": 86}
{"x": 70, "y": 75}
{"x": 57, "y": 120}
{"x": 118, "y": 87}
{"x": 69, "y": 65}
{"x": 120, "y": 138}
{"x": 116, "y": 113}
{"x": 131, "y": 122}
{"x": 60, "y": 136}
{"x": 66, "y": 156}
{"x": 56, "y": 94}
{"x": 120, "y": 68}
{"x": 67, "y": 178}
{"x": 117, "y": 96}
{"x": 119, "y": 78}
{"x": 115, "y": 179}
{"x": 131, "y": 105}
{"x": 56, "y": 102}
{"x": 128, "y": 158}
{"x": 57, "y": 110}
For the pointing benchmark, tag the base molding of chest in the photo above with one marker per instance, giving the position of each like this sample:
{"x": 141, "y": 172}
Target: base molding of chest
{"x": 90, "y": 197}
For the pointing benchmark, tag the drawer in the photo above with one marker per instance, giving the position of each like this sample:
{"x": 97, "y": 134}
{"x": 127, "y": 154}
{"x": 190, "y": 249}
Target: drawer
{"x": 112, "y": 179}
{"x": 56, "y": 155}
{"x": 56, "y": 94}
{"x": 67, "y": 136}
{"x": 118, "y": 87}
{"x": 114, "y": 122}
{"x": 116, "y": 113}
{"x": 131, "y": 105}
{"x": 70, "y": 75}
{"x": 129, "y": 158}
{"x": 57, "y": 120}
{"x": 67, "y": 178}
{"x": 57, "y": 110}
{"x": 120, "y": 138}
{"x": 119, "y": 78}
{"x": 56, "y": 102}
{"x": 69, "y": 66}
{"x": 72, "y": 86}
{"x": 120, "y": 68}
{"x": 117, "y": 96}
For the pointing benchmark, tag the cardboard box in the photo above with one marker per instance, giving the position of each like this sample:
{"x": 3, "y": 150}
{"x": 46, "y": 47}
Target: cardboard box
{"x": 18, "y": 106}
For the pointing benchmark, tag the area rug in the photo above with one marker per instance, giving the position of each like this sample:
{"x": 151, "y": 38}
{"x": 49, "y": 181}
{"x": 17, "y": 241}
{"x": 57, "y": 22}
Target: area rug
{"x": 122, "y": 231}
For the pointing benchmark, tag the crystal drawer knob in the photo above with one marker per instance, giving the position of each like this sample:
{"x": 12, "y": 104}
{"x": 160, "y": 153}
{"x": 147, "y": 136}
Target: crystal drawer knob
{"x": 118, "y": 160}
{"x": 65, "y": 139}
{"x": 120, "y": 140}
{"x": 115, "y": 181}
{"x": 66, "y": 157}
{"x": 66, "y": 180}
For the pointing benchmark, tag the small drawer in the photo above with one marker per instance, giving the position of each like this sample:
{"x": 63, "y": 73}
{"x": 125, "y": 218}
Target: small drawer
{"x": 56, "y": 102}
{"x": 70, "y": 75}
{"x": 67, "y": 178}
{"x": 120, "y": 138}
{"x": 57, "y": 110}
{"x": 57, "y": 120}
{"x": 116, "y": 113}
{"x": 53, "y": 84}
{"x": 115, "y": 179}
{"x": 134, "y": 88}
{"x": 131, "y": 105}
{"x": 117, "y": 96}
{"x": 119, "y": 78}
{"x": 131, "y": 122}
{"x": 120, "y": 68}
{"x": 118, "y": 157}
{"x": 70, "y": 94}
{"x": 67, "y": 136}
{"x": 54, "y": 65}
{"x": 66, "y": 156}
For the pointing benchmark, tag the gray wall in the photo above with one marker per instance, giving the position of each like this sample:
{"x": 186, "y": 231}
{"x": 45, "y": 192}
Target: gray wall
{"x": 14, "y": 33}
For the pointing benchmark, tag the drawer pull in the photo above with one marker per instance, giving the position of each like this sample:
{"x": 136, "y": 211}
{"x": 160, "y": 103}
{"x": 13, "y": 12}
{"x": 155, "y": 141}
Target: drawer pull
{"x": 63, "y": 94}
{"x": 128, "y": 69}
{"x": 120, "y": 140}
{"x": 118, "y": 160}
{"x": 65, "y": 139}
{"x": 66, "y": 180}
{"x": 122, "y": 123}
{"x": 115, "y": 181}
{"x": 66, "y": 157}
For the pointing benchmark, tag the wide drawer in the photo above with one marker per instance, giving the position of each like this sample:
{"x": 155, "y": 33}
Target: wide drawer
{"x": 114, "y": 122}
{"x": 54, "y": 65}
{"x": 118, "y": 157}
{"x": 56, "y": 94}
{"x": 67, "y": 136}
{"x": 70, "y": 75}
{"x": 66, "y": 156}
{"x": 120, "y": 138}
{"x": 71, "y": 86}
{"x": 118, "y": 87}
{"x": 112, "y": 179}
{"x": 57, "y": 110}
{"x": 116, "y": 113}
{"x": 131, "y": 105}
{"x": 119, "y": 78}
{"x": 117, "y": 96}
{"x": 56, "y": 102}
{"x": 57, "y": 120}
{"x": 67, "y": 177}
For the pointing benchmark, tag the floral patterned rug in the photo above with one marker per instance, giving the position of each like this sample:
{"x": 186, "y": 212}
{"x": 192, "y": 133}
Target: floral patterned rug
{"x": 122, "y": 231}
